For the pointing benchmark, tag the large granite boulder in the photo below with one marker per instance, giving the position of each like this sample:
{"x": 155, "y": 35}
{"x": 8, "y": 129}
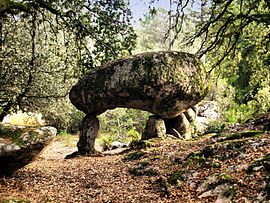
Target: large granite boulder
{"x": 19, "y": 145}
{"x": 163, "y": 83}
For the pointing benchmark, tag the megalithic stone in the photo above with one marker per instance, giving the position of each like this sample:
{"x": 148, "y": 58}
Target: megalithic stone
{"x": 164, "y": 83}
{"x": 88, "y": 134}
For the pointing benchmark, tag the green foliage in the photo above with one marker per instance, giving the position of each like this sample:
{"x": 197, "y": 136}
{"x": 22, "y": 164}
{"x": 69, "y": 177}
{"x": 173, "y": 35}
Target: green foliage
{"x": 15, "y": 201}
{"x": 241, "y": 112}
{"x": 68, "y": 139}
{"x": 244, "y": 75}
{"x": 64, "y": 116}
{"x": 216, "y": 165}
{"x": 225, "y": 177}
{"x": 27, "y": 119}
{"x": 231, "y": 116}
{"x": 134, "y": 156}
{"x": 125, "y": 125}
{"x": 63, "y": 135}
{"x": 245, "y": 134}
{"x": 152, "y": 31}
{"x": 134, "y": 135}
{"x": 226, "y": 98}
{"x": 214, "y": 127}
{"x": 173, "y": 180}
{"x": 45, "y": 49}
{"x": 106, "y": 141}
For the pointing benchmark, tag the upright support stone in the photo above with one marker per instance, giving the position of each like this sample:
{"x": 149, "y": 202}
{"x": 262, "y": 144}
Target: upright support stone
{"x": 155, "y": 127}
{"x": 191, "y": 114}
{"x": 180, "y": 126}
{"x": 88, "y": 134}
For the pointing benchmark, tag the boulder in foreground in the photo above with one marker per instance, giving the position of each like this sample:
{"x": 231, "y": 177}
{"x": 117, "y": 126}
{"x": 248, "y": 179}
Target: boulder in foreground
{"x": 20, "y": 145}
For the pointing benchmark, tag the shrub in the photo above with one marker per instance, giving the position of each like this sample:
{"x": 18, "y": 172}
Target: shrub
{"x": 124, "y": 125}
{"x": 67, "y": 138}
{"x": 215, "y": 127}
{"x": 106, "y": 141}
{"x": 28, "y": 119}
{"x": 68, "y": 119}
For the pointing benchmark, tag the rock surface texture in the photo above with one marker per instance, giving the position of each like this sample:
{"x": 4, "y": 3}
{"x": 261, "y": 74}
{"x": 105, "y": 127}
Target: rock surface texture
{"x": 181, "y": 126}
{"x": 155, "y": 127}
{"x": 163, "y": 83}
{"x": 88, "y": 134}
{"x": 19, "y": 145}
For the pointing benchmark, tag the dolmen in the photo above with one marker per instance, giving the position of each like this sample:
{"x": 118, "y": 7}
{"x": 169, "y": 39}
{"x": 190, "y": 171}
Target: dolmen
{"x": 165, "y": 83}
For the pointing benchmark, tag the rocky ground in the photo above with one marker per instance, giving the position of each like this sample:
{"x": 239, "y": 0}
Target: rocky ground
{"x": 213, "y": 168}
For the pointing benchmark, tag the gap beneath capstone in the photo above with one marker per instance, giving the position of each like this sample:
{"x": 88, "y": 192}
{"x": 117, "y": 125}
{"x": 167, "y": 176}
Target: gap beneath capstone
{"x": 179, "y": 127}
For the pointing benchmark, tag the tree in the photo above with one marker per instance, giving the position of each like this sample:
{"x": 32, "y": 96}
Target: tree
{"x": 224, "y": 25}
{"x": 234, "y": 38}
{"x": 152, "y": 31}
{"x": 47, "y": 45}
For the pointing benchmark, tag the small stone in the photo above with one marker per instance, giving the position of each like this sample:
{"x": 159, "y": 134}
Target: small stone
{"x": 243, "y": 156}
{"x": 8, "y": 148}
{"x": 218, "y": 191}
{"x": 258, "y": 168}
{"x": 205, "y": 185}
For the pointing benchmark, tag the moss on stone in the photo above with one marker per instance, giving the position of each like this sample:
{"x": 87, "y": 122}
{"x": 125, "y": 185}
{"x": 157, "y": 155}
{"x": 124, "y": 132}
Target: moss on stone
{"x": 245, "y": 134}
{"x": 20, "y": 135}
{"x": 134, "y": 156}
{"x": 155, "y": 158}
{"x": 141, "y": 79}
{"x": 17, "y": 135}
{"x": 264, "y": 161}
{"x": 173, "y": 179}
{"x": 143, "y": 163}
{"x": 141, "y": 169}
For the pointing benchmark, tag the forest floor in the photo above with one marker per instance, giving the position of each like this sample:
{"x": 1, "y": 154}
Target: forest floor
{"x": 213, "y": 168}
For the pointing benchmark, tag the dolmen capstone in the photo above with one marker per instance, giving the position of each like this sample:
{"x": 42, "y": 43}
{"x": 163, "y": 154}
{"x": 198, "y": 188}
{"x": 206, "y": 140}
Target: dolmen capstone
{"x": 165, "y": 83}
{"x": 20, "y": 145}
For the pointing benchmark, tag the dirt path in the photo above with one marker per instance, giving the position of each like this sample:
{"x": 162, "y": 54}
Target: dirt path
{"x": 109, "y": 178}
{"x": 83, "y": 179}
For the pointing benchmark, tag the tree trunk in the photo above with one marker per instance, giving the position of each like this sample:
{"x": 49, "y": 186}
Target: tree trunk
{"x": 88, "y": 134}
{"x": 6, "y": 110}
{"x": 8, "y": 106}
{"x": 32, "y": 62}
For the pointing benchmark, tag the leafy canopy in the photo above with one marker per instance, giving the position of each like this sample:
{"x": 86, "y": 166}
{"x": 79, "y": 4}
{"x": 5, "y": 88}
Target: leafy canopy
{"x": 46, "y": 45}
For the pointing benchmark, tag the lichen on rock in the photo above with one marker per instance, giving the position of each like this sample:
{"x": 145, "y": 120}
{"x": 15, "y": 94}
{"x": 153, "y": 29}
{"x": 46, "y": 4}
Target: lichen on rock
{"x": 164, "y": 83}
{"x": 19, "y": 145}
